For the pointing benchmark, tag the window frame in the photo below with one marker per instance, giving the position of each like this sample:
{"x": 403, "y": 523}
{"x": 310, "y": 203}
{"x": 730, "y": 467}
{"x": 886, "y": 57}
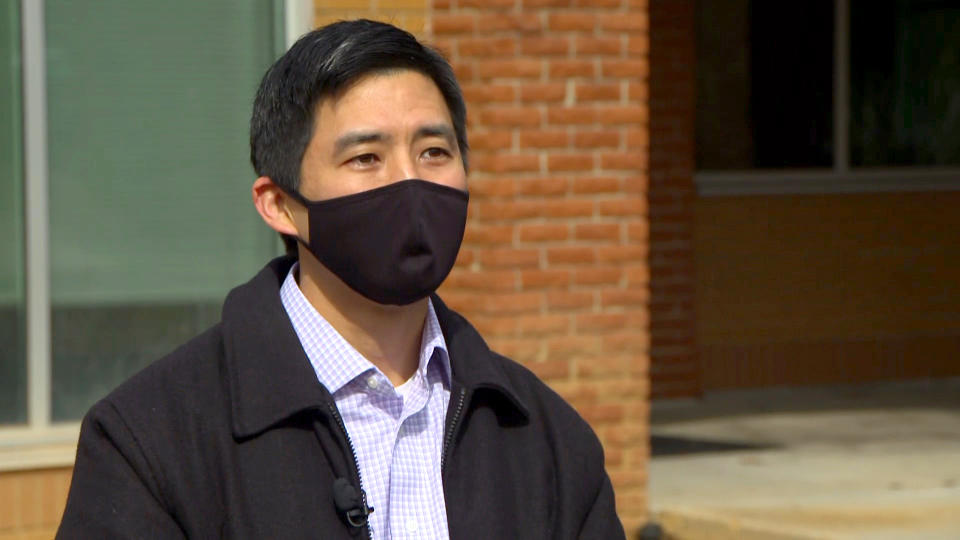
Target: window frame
{"x": 840, "y": 178}
{"x": 41, "y": 442}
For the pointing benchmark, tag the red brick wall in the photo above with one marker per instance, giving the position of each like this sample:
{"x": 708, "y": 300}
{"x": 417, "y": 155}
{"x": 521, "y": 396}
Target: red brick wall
{"x": 554, "y": 268}
{"x": 675, "y": 368}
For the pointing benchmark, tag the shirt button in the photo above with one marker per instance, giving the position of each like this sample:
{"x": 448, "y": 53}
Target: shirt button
{"x": 412, "y": 526}
{"x": 373, "y": 382}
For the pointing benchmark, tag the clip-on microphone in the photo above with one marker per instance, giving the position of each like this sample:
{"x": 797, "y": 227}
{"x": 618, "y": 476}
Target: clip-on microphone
{"x": 351, "y": 502}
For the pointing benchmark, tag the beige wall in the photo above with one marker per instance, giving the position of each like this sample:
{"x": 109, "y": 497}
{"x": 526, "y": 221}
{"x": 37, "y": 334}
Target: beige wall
{"x": 31, "y": 502}
{"x": 827, "y": 288}
{"x": 411, "y": 15}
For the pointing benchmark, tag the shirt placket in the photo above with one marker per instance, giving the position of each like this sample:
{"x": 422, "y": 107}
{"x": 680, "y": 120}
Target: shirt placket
{"x": 407, "y": 500}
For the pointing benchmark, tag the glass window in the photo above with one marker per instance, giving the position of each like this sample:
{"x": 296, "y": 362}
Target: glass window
{"x": 151, "y": 219}
{"x": 904, "y": 82}
{"x": 13, "y": 393}
{"x": 764, "y": 84}
{"x": 765, "y": 88}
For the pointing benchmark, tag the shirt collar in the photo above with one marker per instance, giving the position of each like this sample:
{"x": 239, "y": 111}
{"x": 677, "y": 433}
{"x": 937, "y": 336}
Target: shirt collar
{"x": 334, "y": 360}
{"x": 433, "y": 348}
{"x": 270, "y": 379}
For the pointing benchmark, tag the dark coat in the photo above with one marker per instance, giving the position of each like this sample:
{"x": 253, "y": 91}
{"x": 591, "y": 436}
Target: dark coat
{"x": 232, "y": 436}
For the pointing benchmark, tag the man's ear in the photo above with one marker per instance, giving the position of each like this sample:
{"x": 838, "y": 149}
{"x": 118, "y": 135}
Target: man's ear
{"x": 277, "y": 209}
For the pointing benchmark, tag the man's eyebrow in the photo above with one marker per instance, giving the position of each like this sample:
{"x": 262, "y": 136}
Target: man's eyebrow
{"x": 357, "y": 137}
{"x": 436, "y": 130}
{"x": 352, "y": 138}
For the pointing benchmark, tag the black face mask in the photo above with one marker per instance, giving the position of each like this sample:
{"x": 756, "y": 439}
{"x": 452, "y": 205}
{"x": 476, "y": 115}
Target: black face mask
{"x": 394, "y": 244}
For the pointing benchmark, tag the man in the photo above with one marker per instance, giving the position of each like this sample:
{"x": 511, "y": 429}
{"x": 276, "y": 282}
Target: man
{"x": 339, "y": 397}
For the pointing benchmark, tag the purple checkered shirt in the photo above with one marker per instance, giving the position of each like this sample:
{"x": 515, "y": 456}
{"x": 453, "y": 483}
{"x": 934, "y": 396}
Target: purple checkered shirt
{"x": 397, "y": 432}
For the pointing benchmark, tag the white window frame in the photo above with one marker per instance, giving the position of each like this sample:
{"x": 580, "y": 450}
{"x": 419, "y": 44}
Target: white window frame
{"x": 42, "y": 443}
{"x": 840, "y": 178}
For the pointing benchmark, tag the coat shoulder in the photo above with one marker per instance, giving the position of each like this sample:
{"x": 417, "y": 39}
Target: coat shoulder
{"x": 176, "y": 387}
{"x": 550, "y": 410}
{"x": 560, "y": 440}
{"x": 544, "y": 408}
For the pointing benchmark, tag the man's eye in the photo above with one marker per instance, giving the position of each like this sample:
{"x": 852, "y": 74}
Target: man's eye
{"x": 436, "y": 153}
{"x": 365, "y": 159}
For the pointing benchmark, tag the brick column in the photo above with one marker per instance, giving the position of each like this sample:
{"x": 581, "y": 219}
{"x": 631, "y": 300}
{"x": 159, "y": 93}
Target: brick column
{"x": 554, "y": 267}
{"x": 675, "y": 368}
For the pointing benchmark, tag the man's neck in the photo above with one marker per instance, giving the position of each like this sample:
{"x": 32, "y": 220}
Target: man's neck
{"x": 388, "y": 336}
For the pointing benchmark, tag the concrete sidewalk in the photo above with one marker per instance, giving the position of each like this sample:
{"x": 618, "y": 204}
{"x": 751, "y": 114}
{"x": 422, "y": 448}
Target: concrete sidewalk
{"x": 873, "y": 461}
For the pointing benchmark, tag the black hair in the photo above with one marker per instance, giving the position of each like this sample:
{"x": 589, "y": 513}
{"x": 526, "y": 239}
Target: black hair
{"x": 321, "y": 64}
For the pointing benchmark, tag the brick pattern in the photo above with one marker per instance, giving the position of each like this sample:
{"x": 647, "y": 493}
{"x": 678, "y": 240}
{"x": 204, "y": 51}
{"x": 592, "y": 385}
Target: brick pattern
{"x": 674, "y": 364}
{"x": 554, "y": 268}
{"x": 32, "y": 502}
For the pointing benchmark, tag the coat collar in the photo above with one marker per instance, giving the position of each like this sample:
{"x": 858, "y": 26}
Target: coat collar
{"x": 473, "y": 364}
{"x": 270, "y": 378}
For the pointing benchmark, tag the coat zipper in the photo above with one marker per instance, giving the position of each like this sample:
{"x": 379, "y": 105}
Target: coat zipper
{"x": 453, "y": 429}
{"x": 356, "y": 462}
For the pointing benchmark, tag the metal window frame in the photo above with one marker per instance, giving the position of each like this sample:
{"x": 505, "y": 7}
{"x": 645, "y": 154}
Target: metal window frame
{"x": 840, "y": 178}
{"x": 36, "y": 180}
{"x": 42, "y": 443}
{"x": 297, "y": 19}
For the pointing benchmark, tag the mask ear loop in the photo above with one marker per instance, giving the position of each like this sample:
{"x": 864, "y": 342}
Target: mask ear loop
{"x": 297, "y": 196}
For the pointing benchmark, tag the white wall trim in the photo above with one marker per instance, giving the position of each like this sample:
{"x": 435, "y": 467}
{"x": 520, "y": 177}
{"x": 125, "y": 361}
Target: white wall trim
{"x": 27, "y": 448}
{"x": 36, "y": 213}
{"x": 789, "y": 182}
{"x": 297, "y": 19}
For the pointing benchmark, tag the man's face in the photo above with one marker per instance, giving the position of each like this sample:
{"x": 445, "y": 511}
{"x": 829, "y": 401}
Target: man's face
{"x": 384, "y": 128}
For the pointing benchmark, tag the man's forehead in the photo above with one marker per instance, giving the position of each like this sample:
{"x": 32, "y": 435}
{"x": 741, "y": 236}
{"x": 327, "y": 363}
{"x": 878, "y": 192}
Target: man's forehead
{"x": 334, "y": 104}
